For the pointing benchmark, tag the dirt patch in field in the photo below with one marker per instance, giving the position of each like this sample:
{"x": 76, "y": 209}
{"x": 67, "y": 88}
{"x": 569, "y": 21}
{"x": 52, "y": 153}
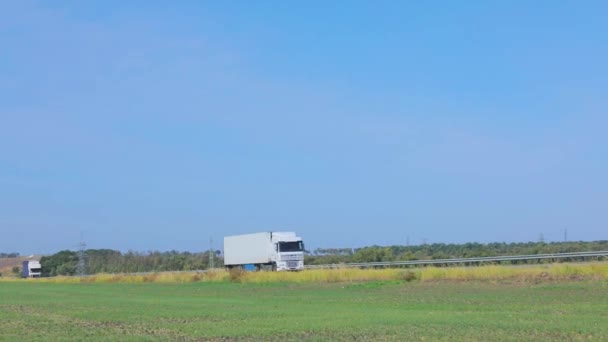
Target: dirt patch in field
{"x": 26, "y": 310}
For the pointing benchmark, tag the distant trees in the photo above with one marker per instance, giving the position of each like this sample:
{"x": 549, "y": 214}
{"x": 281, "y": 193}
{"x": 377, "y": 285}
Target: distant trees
{"x": 374, "y": 254}
{"x": 9, "y": 255}
{"x": 445, "y": 251}
{"x": 329, "y": 255}
{"x": 61, "y": 263}
{"x": 112, "y": 261}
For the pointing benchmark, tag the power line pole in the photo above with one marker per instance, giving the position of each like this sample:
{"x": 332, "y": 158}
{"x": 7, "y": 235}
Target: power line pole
{"x": 211, "y": 253}
{"x": 81, "y": 266}
{"x": 565, "y": 235}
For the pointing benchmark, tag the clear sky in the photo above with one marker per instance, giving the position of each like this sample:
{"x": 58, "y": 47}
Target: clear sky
{"x": 157, "y": 125}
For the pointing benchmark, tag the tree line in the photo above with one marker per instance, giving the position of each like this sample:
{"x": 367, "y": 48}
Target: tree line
{"x": 112, "y": 261}
{"x": 436, "y": 251}
{"x": 9, "y": 255}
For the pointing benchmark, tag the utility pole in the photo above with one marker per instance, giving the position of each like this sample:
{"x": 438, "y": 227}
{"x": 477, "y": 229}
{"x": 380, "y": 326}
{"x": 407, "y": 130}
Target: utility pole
{"x": 566, "y": 235}
{"x": 211, "y": 254}
{"x": 81, "y": 266}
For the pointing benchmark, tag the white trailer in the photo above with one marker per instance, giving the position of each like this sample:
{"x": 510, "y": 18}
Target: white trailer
{"x": 280, "y": 251}
{"x": 31, "y": 269}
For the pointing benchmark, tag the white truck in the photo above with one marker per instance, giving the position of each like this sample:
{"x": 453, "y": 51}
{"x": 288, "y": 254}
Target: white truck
{"x": 279, "y": 251}
{"x": 31, "y": 269}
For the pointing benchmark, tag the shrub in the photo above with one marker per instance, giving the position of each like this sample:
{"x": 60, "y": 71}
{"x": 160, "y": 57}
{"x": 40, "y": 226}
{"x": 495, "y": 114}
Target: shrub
{"x": 408, "y": 276}
{"x": 150, "y": 278}
{"x": 236, "y": 274}
{"x": 214, "y": 275}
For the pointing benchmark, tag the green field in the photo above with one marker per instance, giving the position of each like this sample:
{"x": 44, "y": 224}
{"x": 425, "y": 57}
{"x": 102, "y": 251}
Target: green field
{"x": 223, "y": 311}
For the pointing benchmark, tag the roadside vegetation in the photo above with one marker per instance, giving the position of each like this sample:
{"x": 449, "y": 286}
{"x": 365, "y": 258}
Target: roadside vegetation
{"x": 527, "y": 274}
{"x": 112, "y": 261}
{"x": 435, "y": 251}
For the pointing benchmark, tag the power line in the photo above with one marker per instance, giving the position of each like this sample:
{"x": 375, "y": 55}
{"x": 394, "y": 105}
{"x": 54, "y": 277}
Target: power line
{"x": 81, "y": 266}
{"x": 211, "y": 258}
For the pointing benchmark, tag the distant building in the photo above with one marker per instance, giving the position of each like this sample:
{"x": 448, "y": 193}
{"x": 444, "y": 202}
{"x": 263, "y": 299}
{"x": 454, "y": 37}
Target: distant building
{"x": 31, "y": 269}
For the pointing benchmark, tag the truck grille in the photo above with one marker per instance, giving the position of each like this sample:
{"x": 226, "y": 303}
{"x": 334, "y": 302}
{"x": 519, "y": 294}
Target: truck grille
{"x": 292, "y": 264}
{"x": 291, "y": 257}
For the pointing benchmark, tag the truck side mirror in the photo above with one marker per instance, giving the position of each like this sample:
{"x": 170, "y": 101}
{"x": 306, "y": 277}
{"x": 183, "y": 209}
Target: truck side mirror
{"x": 276, "y": 247}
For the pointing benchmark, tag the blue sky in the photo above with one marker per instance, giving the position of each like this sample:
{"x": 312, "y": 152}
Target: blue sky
{"x": 151, "y": 126}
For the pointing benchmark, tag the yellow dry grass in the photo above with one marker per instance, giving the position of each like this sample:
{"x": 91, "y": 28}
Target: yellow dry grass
{"x": 565, "y": 271}
{"x": 324, "y": 276}
{"x": 523, "y": 273}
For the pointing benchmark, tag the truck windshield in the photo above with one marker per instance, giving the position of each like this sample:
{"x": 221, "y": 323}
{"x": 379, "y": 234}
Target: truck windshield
{"x": 296, "y": 246}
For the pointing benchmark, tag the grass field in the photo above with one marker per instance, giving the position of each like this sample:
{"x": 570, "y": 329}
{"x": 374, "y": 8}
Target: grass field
{"x": 374, "y": 310}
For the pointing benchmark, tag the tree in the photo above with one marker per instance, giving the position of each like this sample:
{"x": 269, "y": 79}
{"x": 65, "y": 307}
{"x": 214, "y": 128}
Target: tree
{"x": 61, "y": 263}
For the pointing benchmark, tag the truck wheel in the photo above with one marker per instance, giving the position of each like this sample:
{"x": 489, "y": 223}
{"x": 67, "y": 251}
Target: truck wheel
{"x": 274, "y": 267}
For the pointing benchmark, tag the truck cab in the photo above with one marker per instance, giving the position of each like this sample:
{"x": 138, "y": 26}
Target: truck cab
{"x": 289, "y": 251}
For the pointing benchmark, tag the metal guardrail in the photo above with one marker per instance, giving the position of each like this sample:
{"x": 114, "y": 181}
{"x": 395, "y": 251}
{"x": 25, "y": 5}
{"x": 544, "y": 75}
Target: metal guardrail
{"x": 464, "y": 260}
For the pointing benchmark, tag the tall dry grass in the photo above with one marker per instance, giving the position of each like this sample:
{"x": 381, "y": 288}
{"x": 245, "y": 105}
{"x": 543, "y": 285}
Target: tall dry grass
{"x": 325, "y": 276}
{"x": 597, "y": 271}
{"x": 535, "y": 273}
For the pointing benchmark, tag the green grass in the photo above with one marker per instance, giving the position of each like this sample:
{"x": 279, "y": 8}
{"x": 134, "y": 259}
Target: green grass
{"x": 377, "y": 310}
